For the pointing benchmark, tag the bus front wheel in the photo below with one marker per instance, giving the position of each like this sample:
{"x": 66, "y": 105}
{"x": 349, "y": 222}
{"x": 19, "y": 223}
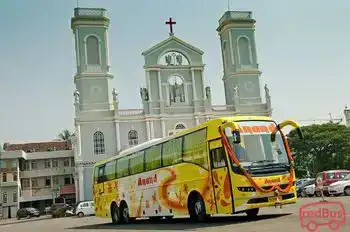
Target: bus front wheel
{"x": 197, "y": 208}
{"x": 252, "y": 212}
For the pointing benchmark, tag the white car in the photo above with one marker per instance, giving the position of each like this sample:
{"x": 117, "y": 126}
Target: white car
{"x": 310, "y": 190}
{"x": 85, "y": 208}
{"x": 340, "y": 187}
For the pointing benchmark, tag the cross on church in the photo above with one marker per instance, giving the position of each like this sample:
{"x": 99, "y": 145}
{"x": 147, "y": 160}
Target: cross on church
{"x": 171, "y": 23}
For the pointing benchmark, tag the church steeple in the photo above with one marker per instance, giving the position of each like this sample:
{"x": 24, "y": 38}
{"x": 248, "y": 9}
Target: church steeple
{"x": 90, "y": 26}
{"x": 241, "y": 73}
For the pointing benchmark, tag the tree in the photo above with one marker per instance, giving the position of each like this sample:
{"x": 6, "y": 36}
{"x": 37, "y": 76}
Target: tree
{"x": 65, "y": 135}
{"x": 324, "y": 147}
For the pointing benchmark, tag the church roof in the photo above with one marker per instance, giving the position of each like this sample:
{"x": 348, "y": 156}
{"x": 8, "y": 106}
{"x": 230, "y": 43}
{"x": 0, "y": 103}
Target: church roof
{"x": 170, "y": 39}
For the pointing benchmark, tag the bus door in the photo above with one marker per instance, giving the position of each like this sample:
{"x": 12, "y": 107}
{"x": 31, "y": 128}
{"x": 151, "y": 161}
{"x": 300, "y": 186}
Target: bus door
{"x": 220, "y": 177}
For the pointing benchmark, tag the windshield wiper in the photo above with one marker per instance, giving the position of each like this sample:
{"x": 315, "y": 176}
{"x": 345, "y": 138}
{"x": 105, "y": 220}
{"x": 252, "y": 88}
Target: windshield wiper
{"x": 260, "y": 162}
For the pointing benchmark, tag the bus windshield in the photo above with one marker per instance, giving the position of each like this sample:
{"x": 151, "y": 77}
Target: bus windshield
{"x": 256, "y": 148}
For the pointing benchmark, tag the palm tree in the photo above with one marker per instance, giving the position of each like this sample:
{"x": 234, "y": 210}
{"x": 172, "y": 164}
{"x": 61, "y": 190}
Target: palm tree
{"x": 65, "y": 135}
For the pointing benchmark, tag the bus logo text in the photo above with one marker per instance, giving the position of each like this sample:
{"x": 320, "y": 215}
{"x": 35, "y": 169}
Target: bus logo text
{"x": 146, "y": 181}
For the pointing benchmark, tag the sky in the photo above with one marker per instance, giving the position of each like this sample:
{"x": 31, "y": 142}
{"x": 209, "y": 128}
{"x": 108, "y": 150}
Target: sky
{"x": 302, "y": 53}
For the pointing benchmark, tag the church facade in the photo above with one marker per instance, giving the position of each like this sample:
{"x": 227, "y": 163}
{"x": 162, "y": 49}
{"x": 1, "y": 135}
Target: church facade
{"x": 175, "y": 96}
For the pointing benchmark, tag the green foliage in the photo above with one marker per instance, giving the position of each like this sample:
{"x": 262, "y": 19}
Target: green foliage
{"x": 64, "y": 135}
{"x": 324, "y": 147}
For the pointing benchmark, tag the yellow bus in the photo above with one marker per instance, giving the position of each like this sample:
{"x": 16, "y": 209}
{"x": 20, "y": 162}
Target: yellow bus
{"x": 223, "y": 166}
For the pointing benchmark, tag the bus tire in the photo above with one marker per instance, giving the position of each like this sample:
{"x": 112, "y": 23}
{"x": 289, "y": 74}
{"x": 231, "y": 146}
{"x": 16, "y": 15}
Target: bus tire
{"x": 124, "y": 213}
{"x": 114, "y": 213}
{"x": 252, "y": 213}
{"x": 196, "y": 208}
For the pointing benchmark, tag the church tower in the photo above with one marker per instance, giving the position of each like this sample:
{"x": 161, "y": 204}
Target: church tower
{"x": 95, "y": 132}
{"x": 90, "y": 30}
{"x": 240, "y": 65}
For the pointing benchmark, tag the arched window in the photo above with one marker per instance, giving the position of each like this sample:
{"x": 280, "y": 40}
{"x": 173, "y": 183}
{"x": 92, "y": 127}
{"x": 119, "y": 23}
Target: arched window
{"x": 99, "y": 143}
{"x": 244, "y": 51}
{"x": 133, "y": 138}
{"x": 92, "y": 50}
{"x": 176, "y": 89}
{"x": 180, "y": 127}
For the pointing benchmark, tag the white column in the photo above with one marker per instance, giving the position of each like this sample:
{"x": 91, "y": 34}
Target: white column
{"x": 230, "y": 43}
{"x": 117, "y": 128}
{"x": 160, "y": 86}
{"x": 194, "y": 85}
{"x": 148, "y": 81}
{"x": 107, "y": 49}
{"x": 148, "y": 130}
{"x": 152, "y": 129}
{"x": 202, "y": 76}
{"x": 77, "y": 46}
{"x": 81, "y": 183}
{"x": 197, "y": 120}
{"x": 163, "y": 128}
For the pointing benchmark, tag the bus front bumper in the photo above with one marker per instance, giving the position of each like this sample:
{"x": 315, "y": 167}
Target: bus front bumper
{"x": 271, "y": 201}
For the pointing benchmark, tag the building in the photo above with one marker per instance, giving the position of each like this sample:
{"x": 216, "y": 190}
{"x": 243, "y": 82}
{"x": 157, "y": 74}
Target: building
{"x": 36, "y": 175}
{"x": 347, "y": 116}
{"x": 174, "y": 98}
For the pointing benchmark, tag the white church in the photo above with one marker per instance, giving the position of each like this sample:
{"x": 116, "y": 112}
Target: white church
{"x": 175, "y": 96}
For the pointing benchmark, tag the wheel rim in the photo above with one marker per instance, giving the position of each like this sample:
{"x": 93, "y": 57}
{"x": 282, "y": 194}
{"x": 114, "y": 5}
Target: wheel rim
{"x": 347, "y": 191}
{"x": 125, "y": 213}
{"x": 197, "y": 207}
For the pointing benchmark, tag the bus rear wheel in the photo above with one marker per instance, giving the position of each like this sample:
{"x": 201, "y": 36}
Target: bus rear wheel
{"x": 197, "y": 208}
{"x": 124, "y": 213}
{"x": 115, "y": 213}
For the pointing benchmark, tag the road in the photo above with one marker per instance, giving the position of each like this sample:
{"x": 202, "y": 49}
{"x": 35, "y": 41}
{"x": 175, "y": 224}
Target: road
{"x": 270, "y": 219}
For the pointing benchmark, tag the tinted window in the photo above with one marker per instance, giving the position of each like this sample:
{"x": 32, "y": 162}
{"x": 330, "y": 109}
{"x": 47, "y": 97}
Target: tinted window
{"x": 343, "y": 174}
{"x": 218, "y": 157}
{"x": 172, "y": 152}
{"x": 153, "y": 157}
{"x": 330, "y": 175}
{"x": 195, "y": 148}
{"x": 136, "y": 163}
{"x": 101, "y": 174}
{"x": 122, "y": 167}
{"x": 110, "y": 170}
{"x": 95, "y": 173}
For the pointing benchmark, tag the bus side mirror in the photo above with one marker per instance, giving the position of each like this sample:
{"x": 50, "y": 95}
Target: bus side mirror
{"x": 236, "y": 136}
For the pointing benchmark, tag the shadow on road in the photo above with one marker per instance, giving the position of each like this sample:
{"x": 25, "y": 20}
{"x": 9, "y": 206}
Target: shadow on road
{"x": 178, "y": 223}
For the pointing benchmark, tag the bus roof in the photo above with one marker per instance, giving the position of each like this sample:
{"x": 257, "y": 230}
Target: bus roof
{"x": 186, "y": 131}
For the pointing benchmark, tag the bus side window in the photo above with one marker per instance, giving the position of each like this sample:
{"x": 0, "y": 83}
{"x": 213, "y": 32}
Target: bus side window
{"x": 101, "y": 174}
{"x": 122, "y": 167}
{"x": 153, "y": 157}
{"x": 195, "y": 148}
{"x": 137, "y": 163}
{"x": 172, "y": 152}
{"x": 110, "y": 170}
{"x": 218, "y": 157}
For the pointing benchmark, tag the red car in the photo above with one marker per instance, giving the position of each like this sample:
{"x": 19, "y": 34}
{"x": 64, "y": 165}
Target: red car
{"x": 330, "y": 177}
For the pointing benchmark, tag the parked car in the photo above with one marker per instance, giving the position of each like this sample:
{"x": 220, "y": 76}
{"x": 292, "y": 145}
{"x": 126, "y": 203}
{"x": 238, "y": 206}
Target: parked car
{"x": 310, "y": 190}
{"x": 84, "y": 208}
{"x": 301, "y": 187}
{"x": 340, "y": 187}
{"x": 27, "y": 213}
{"x": 330, "y": 177}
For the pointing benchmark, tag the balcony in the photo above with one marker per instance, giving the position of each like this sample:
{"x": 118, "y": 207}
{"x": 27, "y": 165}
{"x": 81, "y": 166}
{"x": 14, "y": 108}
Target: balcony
{"x": 9, "y": 184}
{"x": 47, "y": 172}
{"x": 90, "y": 12}
{"x": 38, "y": 194}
